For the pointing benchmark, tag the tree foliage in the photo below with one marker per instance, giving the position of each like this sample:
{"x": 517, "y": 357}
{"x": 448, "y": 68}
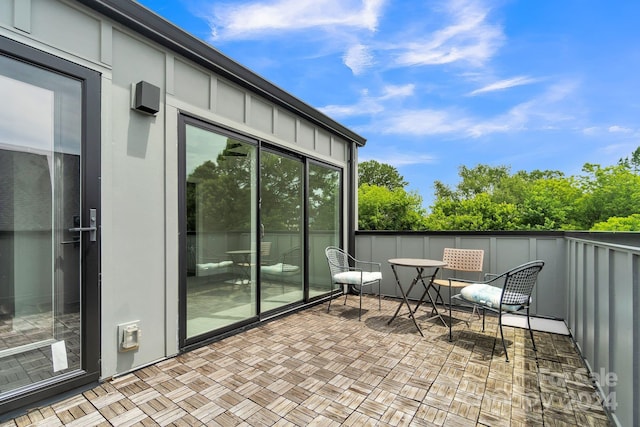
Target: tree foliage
{"x": 616, "y": 223}
{"x": 486, "y": 198}
{"x": 476, "y": 213}
{"x": 607, "y": 192}
{"x": 492, "y": 198}
{"x": 380, "y": 208}
{"x": 372, "y": 172}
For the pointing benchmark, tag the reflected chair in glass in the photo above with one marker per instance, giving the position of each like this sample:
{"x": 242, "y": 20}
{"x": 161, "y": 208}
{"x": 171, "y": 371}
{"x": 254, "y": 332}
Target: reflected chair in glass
{"x": 348, "y": 271}
{"x": 509, "y": 292}
{"x": 245, "y": 264}
{"x": 205, "y": 265}
{"x": 265, "y": 252}
{"x": 288, "y": 270}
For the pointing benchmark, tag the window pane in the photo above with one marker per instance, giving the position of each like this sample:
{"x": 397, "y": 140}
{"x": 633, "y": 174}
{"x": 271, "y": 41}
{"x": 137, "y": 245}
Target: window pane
{"x": 282, "y": 227}
{"x": 221, "y": 231}
{"x": 324, "y": 224}
{"x": 40, "y": 144}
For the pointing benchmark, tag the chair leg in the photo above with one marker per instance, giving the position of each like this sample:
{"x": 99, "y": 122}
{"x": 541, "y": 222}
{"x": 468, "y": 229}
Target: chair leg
{"x": 360, "y": 310}
{"x": 346, "y": 294}
{"x": 330, "y": 298}
{"x": 483, "y": 312}
{"x": 504, "y": 346}
{"x": 531, "y": 331}
{"x": 379, "y": 297}
{"x": 475, "y": 311}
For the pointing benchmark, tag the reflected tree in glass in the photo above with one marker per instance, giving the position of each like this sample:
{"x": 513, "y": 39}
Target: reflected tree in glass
{"x": 324, "y": 223}
{"x": 219, "y": 193}
{"x": 281, "y": 193}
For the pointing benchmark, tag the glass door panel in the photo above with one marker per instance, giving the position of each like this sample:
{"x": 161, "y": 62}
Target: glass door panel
{"x": 221, "y": 255}
{"x": 324, "y": 224}
{"x": 282, "y": 201}
{"x": 40, "y": 200}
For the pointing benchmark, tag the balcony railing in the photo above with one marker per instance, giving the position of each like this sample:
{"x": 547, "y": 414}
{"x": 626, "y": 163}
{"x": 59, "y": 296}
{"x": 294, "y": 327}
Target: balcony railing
{"x": 590, "y": 280}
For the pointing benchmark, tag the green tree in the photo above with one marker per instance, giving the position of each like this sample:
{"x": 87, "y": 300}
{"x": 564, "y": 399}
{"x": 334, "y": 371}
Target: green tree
{"x": 632, "y": 163}
{"x": 477, "y": 213}
{"x": 550, "y": 204}
{"x": 372, "y": 172}
{"x": 380, "y": 208}
{"x": 611, "y": 191}
{"x": 491, "y": 198}
{"x": 616, "y": 223}
{"x": 480, "y": 179}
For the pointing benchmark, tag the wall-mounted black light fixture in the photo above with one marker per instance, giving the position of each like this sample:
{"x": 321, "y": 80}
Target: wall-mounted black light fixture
{"x": 146, "y": 98}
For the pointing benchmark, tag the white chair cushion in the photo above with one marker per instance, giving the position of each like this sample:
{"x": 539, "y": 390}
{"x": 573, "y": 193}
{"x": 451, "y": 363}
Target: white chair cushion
{"x": 280, "y": 269}
{"x": 488, "y": 295}
{"x": 355, "y": 277}
{"x": 208, "y": 268}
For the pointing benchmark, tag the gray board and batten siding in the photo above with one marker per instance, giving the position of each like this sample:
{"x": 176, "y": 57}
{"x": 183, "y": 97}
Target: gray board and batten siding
{"x": 501, "y": 252}
{"x": 126, "y": 43}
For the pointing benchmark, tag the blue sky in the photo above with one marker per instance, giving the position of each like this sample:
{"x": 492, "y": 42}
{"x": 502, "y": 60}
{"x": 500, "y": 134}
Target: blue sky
{"x": 435, "y": 84}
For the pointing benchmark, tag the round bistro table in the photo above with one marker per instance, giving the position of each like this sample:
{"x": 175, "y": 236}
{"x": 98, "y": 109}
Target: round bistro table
{"x": 420, "y": 264}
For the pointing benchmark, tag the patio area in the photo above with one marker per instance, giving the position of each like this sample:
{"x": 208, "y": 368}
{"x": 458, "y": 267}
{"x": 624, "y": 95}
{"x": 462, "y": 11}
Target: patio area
{"x": 328, "y": 369}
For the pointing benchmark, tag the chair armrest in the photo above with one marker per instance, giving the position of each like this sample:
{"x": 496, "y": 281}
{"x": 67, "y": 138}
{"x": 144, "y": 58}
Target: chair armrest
{"x": 205, "y": 259}
{"x": 457, "y": 279}
{"x": 369, "y": 263}
{"x": 493, "y": 278}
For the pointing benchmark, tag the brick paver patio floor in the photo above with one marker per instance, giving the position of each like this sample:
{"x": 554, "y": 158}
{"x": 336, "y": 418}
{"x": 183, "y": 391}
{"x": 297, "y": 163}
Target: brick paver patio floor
{"x": 328, "y": 369}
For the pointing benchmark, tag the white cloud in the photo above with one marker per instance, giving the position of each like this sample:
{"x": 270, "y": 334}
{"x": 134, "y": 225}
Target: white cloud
{"x": 366, "y": 106}
{"x": 248, "y": 19}
{"x": 392, "y": 91}
{"x": 542, "y": 113}
{"x": 369, "y": 105}
{"x": 463, "y": 34}
{"x": 403, "y": 159}
{"x": 619, "y": 129}
{"x": 505, "y": 84}
{"x": 421, "y": 122}
{"x": 468, "y": 37}
{"x": 358, "y": 58}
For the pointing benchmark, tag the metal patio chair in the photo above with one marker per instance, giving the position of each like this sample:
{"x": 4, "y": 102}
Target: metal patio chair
{"x": 514, "y": 294}
{"x": 459, "y": 261}
{"x": 348, "y": 271}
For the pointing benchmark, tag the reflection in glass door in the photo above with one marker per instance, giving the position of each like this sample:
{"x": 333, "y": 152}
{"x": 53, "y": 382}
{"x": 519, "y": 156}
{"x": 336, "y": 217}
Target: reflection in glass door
{"x": 220, "y": 209}
{"x": 324, "y": 224}
{"x": 40, "y": 201}
{"x": 281, "y": 207}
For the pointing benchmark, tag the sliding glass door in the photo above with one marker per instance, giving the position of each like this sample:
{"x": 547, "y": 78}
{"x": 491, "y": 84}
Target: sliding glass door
{"x": 220, "y": 229}
{"x": 282, "y": 203}
{"x": 255, "y": 221}
{"x": 324, "y": 220}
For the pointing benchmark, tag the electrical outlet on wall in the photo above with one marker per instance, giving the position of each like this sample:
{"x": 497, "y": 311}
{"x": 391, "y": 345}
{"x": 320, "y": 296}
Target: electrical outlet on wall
{"x": 129, "y": 336}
